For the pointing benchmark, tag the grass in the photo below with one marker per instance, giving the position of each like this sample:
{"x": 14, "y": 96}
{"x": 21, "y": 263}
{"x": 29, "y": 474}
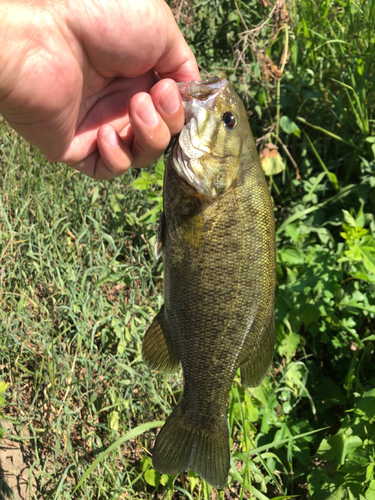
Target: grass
{"x": 79, "y": 284}
{"x": 75, "y": 303}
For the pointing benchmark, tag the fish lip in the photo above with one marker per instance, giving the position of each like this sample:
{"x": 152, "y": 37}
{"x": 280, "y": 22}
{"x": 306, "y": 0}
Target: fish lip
{"x": 203, "y": 91}
{"x": 196, "y": 90}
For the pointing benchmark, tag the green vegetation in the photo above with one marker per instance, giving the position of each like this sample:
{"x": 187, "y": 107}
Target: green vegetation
{"x": 3, "y": 386}
{"x": 79, "y": 283}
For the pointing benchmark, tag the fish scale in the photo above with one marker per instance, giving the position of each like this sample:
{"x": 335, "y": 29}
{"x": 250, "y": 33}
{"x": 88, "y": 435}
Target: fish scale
{"x": 218, "y": 244}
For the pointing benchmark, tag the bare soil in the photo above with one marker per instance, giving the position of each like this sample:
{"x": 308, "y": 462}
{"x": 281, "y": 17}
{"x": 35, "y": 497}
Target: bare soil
{"x": 15, "y": 462}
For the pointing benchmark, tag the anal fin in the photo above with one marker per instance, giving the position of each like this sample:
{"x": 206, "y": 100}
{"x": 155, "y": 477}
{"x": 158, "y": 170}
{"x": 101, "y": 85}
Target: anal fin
{"x": 157, "y": 347}
{"x": 255, "y": 368}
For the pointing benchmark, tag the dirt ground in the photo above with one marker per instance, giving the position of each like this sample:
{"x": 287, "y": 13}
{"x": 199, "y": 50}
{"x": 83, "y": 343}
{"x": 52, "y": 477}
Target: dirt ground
{"x": 14, "y": 467}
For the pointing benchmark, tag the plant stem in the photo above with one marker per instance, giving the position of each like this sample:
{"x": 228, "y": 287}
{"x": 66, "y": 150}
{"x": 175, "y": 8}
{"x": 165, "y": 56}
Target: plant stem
{"x": 283, "y": 62}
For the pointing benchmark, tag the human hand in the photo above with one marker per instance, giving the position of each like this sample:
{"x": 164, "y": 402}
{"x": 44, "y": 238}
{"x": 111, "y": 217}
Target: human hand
{"x": 79, "y": 80}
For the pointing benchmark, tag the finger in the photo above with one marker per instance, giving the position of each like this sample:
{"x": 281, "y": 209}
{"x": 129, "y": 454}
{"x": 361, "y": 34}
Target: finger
{"x": 110, "y": 106}
{"x": 112, "y": 158}
{"x": 167, "y": 101}
{"x": 155, "y": 43}
{"x": 151, "y": 134}
{"x": 177, "y": 61}
{"x": 87, "y": 166}
{"x": 111, "y": 110}
{"x": 115, "y": 155}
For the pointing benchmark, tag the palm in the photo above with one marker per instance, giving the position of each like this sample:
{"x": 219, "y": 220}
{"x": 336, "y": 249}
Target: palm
{"x": 108, "y": 104}
{"x": 85, "y": 92}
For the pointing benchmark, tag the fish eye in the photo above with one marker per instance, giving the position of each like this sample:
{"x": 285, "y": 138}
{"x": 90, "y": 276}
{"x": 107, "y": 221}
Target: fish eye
{"x": 229, "y": 119}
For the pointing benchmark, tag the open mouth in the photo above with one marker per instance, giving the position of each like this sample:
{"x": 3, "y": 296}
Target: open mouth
{"x": 195, "y": 94}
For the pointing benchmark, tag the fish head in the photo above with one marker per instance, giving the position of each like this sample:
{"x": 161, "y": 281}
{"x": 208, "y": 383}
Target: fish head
{"x": 207, "y": 154}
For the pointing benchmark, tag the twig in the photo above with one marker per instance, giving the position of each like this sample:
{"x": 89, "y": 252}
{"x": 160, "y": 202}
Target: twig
{"x": 242, "y": 19}
{"x": 265, "y": 137}
{"x": 283, "y": 63}
{"x": 178, "y": 15}
{"x": 148, "y": 246}
{"x": 258, "y": 28}
{"x": 298, "y": 175}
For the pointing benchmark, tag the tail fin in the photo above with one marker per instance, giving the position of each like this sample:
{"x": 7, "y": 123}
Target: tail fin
{"x": 181, "y": 446}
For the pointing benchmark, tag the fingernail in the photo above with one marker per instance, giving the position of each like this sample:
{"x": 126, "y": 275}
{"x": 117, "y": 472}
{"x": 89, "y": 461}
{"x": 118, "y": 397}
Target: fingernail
{"x": 147, "y": 112}
{"x": 170, "y": 100}
{"x": 110, "y": 136}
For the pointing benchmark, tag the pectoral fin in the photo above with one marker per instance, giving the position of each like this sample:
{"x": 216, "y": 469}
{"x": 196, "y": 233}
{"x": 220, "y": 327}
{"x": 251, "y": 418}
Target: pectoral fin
{"x": 157, "y": 346}
{"x": 253, "y": 370}
{"x": 160, "y": 237}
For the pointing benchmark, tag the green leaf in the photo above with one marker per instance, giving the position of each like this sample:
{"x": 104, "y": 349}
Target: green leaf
{"x": 95, "y": 195}
{"x": 143, "y": 182}
{"x": 310, "y": 315}
{"x": 152, "y": 477}
{"x": 115, "y": 420}
{"x": 263, "y": 391}
{"x": 233, "y": 16}
{"x": 336, "y": 495}
{"x": 114, "y": 204}
{"x": 370, "y": 493}
{"x": 291, "y": 256}
{"x": 146, "y": 463}
{"x": 366, "y": 404}
{"x": 3, "y": 387}
{"x": 338, "y": 447}
{"x": 164, "y": 479}
{"x": 258, "y": 494}
{"x": 364, "y": 276}
{"x": 152, "y": 215}
{"x": 349, "y": 219}
{"x": 288, "y": 345}
{"x": 289, "y": 126}
{"x": 360, "y": 219}
{"x": 193, "y": 479}
{"x": 159, "y": 170}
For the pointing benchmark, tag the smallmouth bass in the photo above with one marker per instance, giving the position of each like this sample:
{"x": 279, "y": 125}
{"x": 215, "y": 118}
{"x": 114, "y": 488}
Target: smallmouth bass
{"x": 217, "y": 237}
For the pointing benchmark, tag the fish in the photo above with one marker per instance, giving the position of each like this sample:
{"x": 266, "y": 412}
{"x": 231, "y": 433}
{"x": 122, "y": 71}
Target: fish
{"x": 217, "y": 238}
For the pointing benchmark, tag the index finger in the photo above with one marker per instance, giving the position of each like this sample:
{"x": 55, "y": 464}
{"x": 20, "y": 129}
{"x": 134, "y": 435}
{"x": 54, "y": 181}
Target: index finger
{"x": 178, "y": 61}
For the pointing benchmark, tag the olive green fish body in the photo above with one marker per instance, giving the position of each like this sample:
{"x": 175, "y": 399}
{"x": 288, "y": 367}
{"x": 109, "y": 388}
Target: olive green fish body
{"x": 218, "y": 313}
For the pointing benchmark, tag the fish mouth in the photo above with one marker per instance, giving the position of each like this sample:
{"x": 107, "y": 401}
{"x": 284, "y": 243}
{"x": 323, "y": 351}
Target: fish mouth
{"x": 199, "y": 101}
{"x": 195, "y": 94}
